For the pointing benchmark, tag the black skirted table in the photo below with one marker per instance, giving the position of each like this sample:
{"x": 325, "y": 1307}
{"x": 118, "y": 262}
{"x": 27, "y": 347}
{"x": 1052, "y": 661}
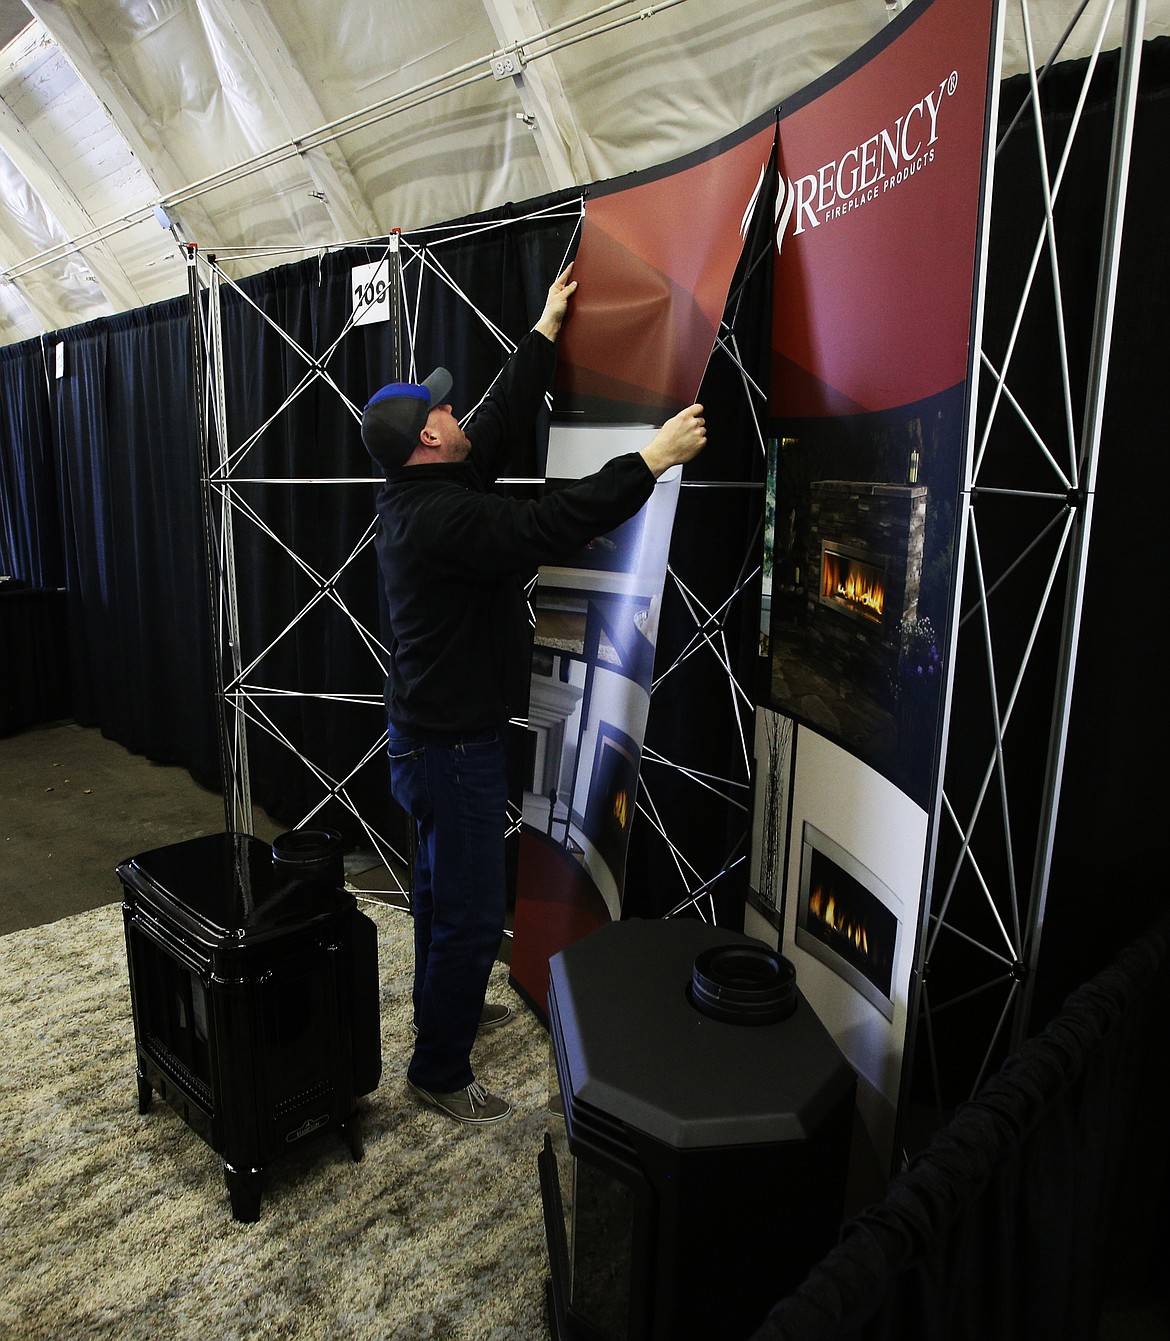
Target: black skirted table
{"x": 255, "y": 997}
{"x": 34, "y": 656}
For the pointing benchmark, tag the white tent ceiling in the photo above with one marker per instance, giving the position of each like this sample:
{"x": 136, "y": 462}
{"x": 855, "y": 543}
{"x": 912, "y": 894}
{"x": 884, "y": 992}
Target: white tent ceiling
{"x": 263, "y": 129}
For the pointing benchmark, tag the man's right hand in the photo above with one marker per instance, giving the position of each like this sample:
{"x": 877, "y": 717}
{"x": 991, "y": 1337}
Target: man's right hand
{"x": 556, "y": 304}
{"x": 679, "y": 440}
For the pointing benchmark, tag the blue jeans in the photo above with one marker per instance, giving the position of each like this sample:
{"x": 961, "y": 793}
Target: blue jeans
{"x": 457, "y": 795}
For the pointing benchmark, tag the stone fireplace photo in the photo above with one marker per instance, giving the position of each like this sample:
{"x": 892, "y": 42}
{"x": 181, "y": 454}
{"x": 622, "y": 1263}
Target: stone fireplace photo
{"x": 866, "y": 546}
{"x": 857, "y": 585}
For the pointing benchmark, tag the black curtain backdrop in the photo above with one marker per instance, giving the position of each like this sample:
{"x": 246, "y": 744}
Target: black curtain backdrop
{"x": 1109, "y": 841}
{"x": 127, "y": 465}
{"x": 34, "y": 633}
{"x": 30, "y": 524}
{"x": 1045, "y": 1195}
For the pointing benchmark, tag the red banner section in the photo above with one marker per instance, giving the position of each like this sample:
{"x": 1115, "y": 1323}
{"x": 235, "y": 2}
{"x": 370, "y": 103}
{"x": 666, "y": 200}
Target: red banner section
{"x": 657, "y": 255}
{"x": 877, "y": 217}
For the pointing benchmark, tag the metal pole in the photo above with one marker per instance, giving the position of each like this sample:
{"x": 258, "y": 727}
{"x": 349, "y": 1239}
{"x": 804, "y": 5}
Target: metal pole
{"x": 917, "y": 989}
{"x": 1083, "y": 496}
{"x": 197, "y": 379}
{"x": 229, "y": 639}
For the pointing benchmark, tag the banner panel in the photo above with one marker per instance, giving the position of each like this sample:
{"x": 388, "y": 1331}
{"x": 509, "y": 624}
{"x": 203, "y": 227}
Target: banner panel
{"x": 877, "y": 227}
{"x": 877, "y": 219}
{"x": 657, "y": 256}
{"x": 882, "y": 176}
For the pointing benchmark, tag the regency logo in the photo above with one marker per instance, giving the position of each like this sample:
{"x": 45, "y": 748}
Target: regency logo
{"x": 865, "y": 171}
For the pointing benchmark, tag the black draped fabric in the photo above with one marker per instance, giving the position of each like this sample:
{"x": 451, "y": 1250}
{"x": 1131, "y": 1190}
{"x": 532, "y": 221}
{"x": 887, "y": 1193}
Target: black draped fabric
{"x": 129, "y": 471}
{"x": 1036, "y": 1198}
{"x": 1109, "y": 832}
{"x": 30, "y": 524}
{"x": 34, "y": 637}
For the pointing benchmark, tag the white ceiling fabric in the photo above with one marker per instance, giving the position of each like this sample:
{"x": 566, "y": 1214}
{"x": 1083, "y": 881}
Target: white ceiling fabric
{"x": 268, "y": 128}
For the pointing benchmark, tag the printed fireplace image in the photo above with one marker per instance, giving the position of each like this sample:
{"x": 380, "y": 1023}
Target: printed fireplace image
{"x": 846, "y": 918}
{"x": 869, "y": 553}
{"x": 859, "y": 558}
{"x": 611, "y": 795}
{"x": 853, "y": 582}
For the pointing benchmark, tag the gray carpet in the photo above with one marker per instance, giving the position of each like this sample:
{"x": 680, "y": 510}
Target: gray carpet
{"x": 117, "y": 1225}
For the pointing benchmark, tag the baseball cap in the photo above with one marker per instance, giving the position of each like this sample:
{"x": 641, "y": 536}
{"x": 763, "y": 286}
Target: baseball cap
{"x": 395, "y": 415}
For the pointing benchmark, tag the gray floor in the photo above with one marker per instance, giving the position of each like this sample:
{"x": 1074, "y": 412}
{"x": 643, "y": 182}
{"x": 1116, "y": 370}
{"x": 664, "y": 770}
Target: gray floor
{"x": 74, "y": 805}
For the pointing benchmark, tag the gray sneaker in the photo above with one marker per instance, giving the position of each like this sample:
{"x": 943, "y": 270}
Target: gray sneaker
{"x": 494, "y": 1014}
{"x": 491, "y": 1017}
{"x": 472, "y": 1104}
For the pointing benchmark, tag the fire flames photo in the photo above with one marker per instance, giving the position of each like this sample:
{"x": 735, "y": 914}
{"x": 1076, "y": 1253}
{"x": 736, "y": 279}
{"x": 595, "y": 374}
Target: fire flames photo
{"x": 847, "y": 920}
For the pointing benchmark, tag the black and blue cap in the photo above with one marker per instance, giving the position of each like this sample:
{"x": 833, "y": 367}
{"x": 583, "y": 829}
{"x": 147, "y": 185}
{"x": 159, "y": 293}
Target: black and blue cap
{"x": 395, "y": 415}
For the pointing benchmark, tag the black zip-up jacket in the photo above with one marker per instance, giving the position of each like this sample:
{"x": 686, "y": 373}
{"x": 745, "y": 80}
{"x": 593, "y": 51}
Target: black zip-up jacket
{"x": 453, "y": 556}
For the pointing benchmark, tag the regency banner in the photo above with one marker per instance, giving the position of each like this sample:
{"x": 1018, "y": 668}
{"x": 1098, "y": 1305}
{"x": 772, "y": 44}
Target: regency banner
{"x": 882, "y": 172}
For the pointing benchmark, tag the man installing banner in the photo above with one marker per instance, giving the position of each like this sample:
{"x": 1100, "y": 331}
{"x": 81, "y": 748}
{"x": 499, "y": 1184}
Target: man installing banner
{"x": 452, "y": 555}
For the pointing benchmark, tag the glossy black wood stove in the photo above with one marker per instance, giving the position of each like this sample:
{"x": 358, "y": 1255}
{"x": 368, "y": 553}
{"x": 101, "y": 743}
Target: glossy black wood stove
{"x": 255, "y": 995}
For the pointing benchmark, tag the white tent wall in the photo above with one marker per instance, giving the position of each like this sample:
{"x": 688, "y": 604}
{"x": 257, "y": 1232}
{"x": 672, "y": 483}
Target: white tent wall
{"x": 259, "y": 130}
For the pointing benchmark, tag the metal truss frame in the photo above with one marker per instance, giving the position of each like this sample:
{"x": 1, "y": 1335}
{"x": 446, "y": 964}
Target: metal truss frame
{"x": 240, "y": 691}
{"x": 1005, "y": 933}
{"x": 732, "y": 793}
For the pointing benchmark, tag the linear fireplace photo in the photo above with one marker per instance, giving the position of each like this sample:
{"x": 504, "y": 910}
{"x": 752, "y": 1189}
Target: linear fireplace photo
{"x": 612, "y": 793}
{"x": 847, "y": 919}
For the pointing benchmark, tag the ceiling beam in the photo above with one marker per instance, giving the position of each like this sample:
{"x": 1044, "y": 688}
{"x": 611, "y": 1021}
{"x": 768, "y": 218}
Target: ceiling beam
{"x": 61, "y": 203}
{"x": 17, "y": 321}
{"x": 299, "y": 112}
{"x": 97, "y": 70}
{"x": 47, "y": 318}
{"x": 547, "y": 111}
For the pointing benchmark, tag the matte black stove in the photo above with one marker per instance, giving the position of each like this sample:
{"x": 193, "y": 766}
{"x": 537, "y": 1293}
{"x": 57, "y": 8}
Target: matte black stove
{"x": 254, "y": 987}
{"x": 710, "y": 1145}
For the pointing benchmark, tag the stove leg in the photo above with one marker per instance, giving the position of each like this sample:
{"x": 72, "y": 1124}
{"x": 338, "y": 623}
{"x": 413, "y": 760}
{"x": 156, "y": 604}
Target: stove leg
{"x": 244, "y": 1188}
{"x": 145, "y": 1093}
{"x": 351, "y": 1131}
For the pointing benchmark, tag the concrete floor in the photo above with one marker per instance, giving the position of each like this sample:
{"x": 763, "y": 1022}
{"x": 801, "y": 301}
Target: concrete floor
{"x": 74, "y": 804}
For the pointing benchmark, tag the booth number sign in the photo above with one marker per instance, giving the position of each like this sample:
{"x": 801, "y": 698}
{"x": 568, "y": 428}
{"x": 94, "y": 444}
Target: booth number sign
{"x": 370, "y": 286}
